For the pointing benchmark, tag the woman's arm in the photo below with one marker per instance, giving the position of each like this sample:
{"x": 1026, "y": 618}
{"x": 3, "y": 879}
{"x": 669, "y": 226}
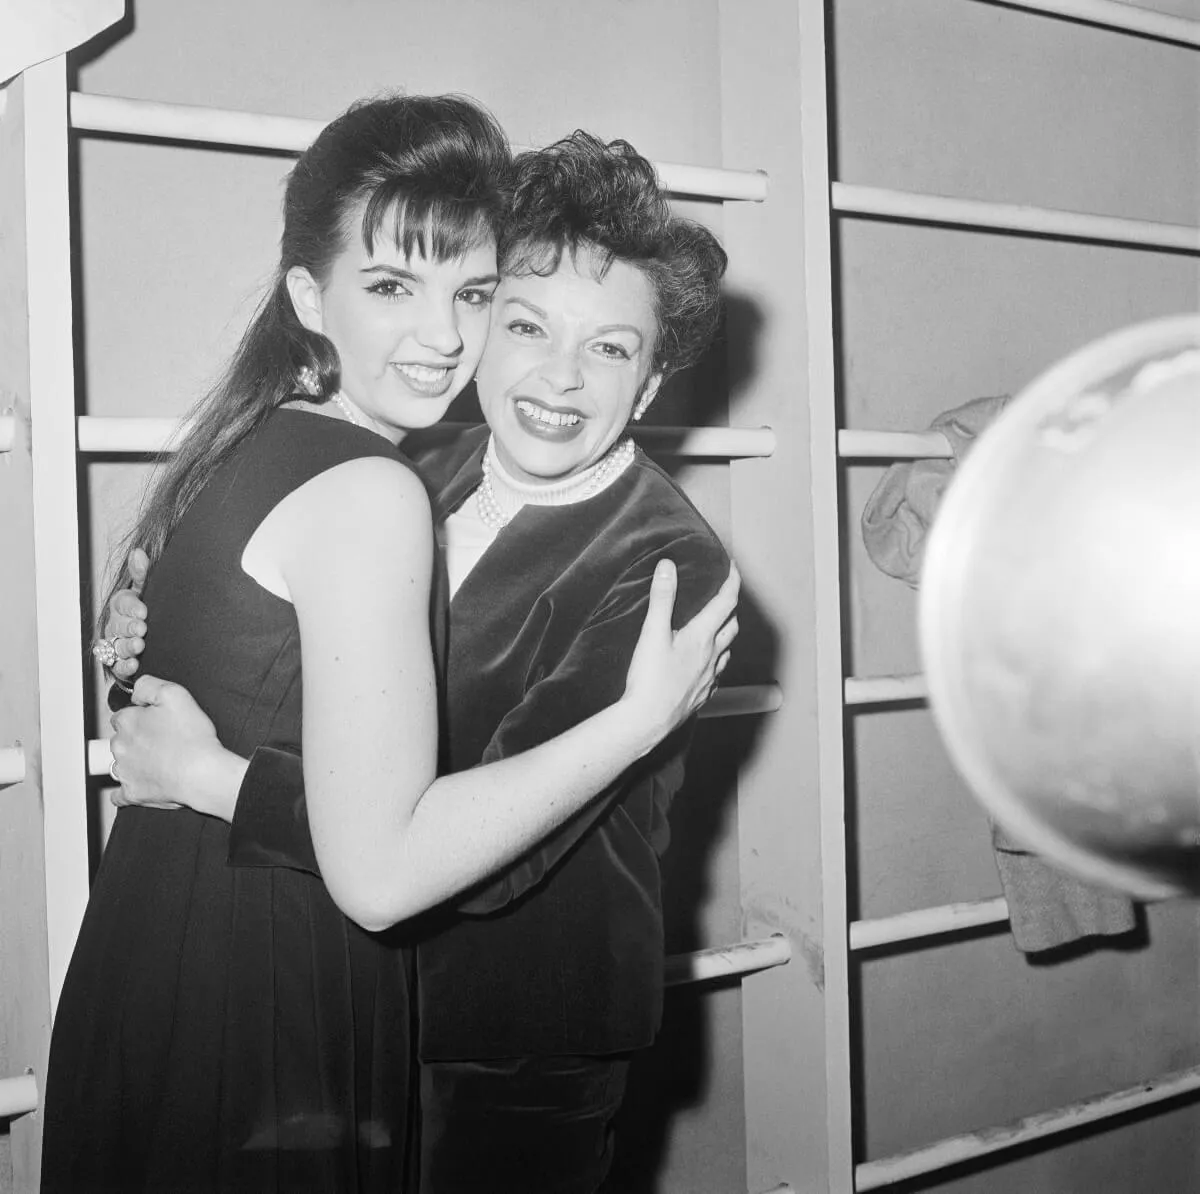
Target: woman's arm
{"x": 172, "y": 751}
{"x": 360, "y": 588}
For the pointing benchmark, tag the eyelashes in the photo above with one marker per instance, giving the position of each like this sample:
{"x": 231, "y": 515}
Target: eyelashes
{"x": 393, "y": 290}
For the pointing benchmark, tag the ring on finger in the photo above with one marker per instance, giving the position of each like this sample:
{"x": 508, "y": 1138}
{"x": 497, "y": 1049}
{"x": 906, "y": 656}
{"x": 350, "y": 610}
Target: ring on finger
{"x": 106, "y": 652}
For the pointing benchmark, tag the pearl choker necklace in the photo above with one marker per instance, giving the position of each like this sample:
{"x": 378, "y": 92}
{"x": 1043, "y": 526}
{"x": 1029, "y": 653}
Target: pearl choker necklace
{"x": 575, "y": 489}
{"x": 340, "y": 402}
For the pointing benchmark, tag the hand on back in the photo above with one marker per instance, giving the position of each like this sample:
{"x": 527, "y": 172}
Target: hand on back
{"x": 125, "y": 621}
{"x": 674, "y": 672}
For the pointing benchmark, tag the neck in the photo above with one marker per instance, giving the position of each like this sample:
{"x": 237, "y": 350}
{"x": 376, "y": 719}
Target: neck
{"x": 349, "y": 410}
{"x": 501, "y": 495}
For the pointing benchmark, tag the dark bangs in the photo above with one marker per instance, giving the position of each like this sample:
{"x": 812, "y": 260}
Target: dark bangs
{"x": 438, "y": 227}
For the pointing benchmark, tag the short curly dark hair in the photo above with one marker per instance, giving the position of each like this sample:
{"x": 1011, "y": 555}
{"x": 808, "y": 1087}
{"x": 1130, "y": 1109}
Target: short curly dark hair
{"x": 606, "y": 198}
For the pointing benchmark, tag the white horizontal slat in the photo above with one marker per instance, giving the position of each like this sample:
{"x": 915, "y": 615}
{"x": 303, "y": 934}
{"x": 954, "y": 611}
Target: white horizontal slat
{"x": 877, "y": 1175}
{"x": 927, "y": 922}
{"x": 253, "y": 130}
{"x": 99, "y": 756}
{"x": 1126, "y": 17}
{"x": 717, "y": 443}
{"x": 852, "y": 199}
{"x": 12, "y": 765}
{"x": 18, "y": 1096}
{"x": 885, "y": 690}
{"x": 115, "y": 435}
{"x": 893, "y": 445}
{"x": 744, "y": 701}
{"x": 746, "y": 957}
{"x": 101, "y": 434}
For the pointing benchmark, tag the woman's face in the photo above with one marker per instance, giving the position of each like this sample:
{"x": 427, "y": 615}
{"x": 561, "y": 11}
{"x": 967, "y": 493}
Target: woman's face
{"x": 568, "y": 358}
{"x": 409, "y": 331}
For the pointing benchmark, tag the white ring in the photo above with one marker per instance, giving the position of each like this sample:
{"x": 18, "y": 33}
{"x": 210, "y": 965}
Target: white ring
{"x": 112, "y": 770}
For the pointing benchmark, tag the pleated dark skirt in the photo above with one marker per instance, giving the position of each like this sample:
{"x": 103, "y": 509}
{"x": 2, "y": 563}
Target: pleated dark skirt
{"x": 224, "y": 1029}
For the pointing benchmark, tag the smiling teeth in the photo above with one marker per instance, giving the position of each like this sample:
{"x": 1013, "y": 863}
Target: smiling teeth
{"x": 424, "y": 374}
{"x": 552, "y": 418}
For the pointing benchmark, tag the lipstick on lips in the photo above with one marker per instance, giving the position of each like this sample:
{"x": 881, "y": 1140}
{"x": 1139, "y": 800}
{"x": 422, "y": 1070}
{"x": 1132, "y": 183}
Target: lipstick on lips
{"x": 557, "y": 423}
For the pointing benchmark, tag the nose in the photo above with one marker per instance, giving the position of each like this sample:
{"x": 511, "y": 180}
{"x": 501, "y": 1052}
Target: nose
{"x": 438, "y": 330}
{"x": 562, "y": 372}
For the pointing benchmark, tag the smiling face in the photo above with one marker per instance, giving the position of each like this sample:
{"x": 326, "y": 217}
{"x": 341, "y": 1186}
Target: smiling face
{"x": 409, "y": 331}
{"x": 568, "y": 359}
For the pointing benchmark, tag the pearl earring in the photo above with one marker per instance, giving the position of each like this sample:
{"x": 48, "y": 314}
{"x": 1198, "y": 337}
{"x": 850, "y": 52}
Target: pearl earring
{"x": 307, "y": 380}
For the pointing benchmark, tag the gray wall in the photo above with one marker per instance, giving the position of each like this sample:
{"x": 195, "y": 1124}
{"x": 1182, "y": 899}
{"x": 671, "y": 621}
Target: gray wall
{"x": 947, "y": 96}
{"x": 980, "y": 101}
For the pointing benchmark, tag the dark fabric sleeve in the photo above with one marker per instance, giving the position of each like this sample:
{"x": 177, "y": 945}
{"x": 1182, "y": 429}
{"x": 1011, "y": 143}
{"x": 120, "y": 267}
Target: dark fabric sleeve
{"x": 270, "y": 823}
{"x": 590, "y": 677}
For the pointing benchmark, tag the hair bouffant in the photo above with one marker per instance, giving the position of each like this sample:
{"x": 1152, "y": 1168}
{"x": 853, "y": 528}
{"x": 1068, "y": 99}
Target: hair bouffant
{"x": 581, "y": 193}
{"x": 431, "y": 172}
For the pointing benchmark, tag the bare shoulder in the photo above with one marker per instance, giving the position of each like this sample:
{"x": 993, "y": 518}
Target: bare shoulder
{"x": 369, "y": 516}
{"x": 383, "y": 480}
{"x": 365, "y": 498}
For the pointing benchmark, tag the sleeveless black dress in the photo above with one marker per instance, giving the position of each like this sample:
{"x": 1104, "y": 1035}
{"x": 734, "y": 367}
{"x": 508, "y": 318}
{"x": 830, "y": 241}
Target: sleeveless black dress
{"x": 221, "y": 1028}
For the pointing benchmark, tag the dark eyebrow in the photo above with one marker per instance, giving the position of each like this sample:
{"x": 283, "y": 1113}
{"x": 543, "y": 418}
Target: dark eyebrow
{"x": 404, "y": 275}
{"x": 392, "y": 271}
{"x": 520, "y": 302}
{"x": 607, "y": 329}
{"x": 620, "y": 327}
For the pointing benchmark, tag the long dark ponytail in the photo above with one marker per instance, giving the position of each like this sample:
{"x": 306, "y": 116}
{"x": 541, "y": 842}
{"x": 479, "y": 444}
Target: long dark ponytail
{"x": 434, "y": 172}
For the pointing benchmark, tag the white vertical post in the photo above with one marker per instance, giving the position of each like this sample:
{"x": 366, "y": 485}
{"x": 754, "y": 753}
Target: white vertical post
{"x": 829, "y": 684}
{"x": 55, "y": 510}
{"x": 784, "y": 523}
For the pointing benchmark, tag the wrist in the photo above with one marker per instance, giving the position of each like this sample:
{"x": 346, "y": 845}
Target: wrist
{"x": 638, "y": 729}
{"x": 215, "y": 780}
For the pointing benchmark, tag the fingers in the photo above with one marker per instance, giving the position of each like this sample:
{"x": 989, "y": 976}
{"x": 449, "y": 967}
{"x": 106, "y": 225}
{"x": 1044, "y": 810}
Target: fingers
{"x": 124, "y": 669}
{"x": 724, "y": 601}
{"x": 150, "y": 690}
{"x": 126, "y": 616}
{"x": 129, "y": 648}
{"x": 662, "y": 598}
{"x": 731, "y": 588}
{"x": 715, "y": 622}
{"x": 127, "y": 603}
{"x": 138, "y": 564}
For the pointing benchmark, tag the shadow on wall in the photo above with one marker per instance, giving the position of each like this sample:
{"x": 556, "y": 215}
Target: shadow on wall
{"x": 697, "y": 1044}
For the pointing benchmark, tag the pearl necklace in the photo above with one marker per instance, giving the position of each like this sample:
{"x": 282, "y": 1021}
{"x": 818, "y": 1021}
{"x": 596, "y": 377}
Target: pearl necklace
{"x": 340, "y": 402}
{"x": 577, "y": 489}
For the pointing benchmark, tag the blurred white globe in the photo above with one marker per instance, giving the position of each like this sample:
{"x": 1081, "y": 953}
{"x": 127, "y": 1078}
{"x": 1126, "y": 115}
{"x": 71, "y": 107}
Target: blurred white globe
{"x": 1060, "y": 613}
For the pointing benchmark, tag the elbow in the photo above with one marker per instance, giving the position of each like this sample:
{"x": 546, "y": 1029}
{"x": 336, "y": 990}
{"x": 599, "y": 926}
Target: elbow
{"x": 375, "y": 908}
{"x": 371, "y": 920}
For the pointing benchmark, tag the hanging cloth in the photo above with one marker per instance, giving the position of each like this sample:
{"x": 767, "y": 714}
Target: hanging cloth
{"x": 1047, "y": 908}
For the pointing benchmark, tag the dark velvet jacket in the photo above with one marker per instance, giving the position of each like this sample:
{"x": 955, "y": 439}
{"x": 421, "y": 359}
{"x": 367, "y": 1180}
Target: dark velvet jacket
{"x": 562, "y": 953}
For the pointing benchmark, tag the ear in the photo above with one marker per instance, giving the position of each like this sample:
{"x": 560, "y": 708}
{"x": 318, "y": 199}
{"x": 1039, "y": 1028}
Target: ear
{"x": 306, "y": 298}
{"x": 649, "y": 390}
